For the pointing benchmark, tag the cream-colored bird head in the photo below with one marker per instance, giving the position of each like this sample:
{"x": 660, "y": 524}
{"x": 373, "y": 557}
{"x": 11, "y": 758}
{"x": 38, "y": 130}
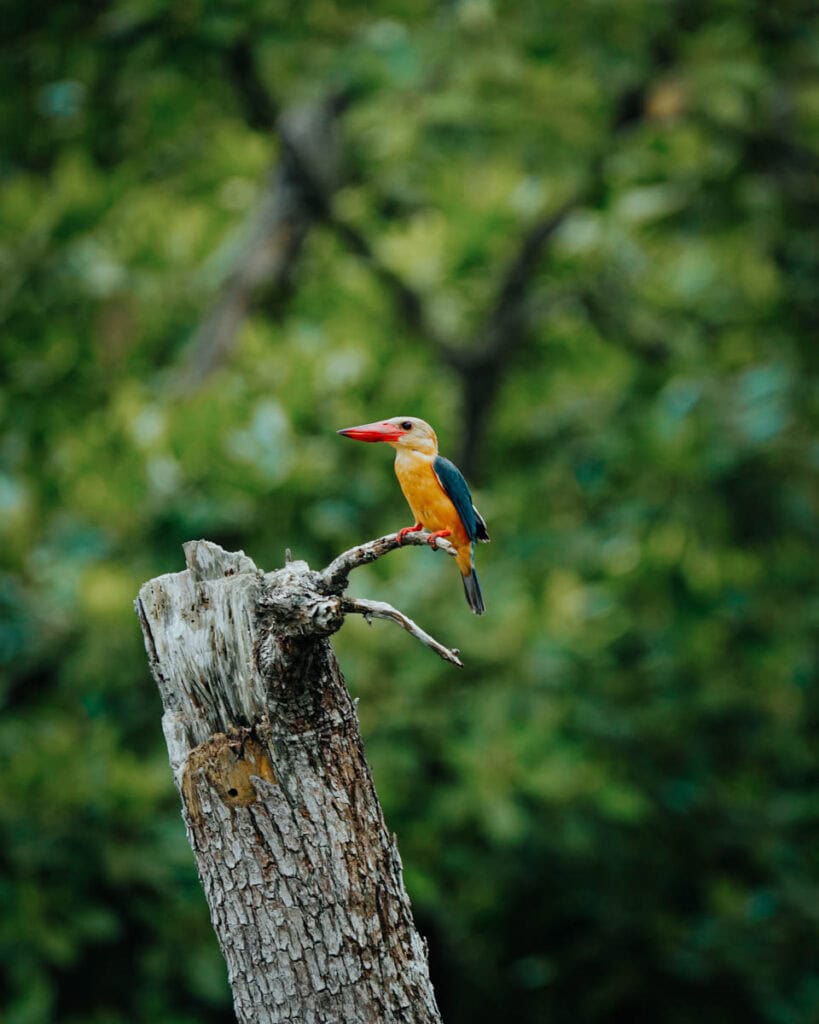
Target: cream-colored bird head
{"x": 400, "y": 432}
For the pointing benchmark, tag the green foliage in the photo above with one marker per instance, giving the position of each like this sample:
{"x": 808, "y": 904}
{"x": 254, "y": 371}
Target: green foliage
{"x": 611, "y": 813}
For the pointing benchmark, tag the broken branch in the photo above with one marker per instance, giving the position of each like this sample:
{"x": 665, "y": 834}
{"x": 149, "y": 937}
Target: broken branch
{"x": 382, "y": 610}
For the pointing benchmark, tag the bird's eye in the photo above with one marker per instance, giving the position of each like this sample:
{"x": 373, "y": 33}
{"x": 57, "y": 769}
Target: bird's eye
{"x": 406, "y": 425}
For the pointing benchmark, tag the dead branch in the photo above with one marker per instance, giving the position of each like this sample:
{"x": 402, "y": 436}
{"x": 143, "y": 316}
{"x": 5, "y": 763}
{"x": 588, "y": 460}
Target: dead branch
{"x": 336, "y": 573}
{"x": 382, "y": 610}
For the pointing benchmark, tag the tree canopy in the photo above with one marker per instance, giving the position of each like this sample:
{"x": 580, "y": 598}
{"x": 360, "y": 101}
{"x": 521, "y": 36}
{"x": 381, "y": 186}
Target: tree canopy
{"x": 581, "y": 240}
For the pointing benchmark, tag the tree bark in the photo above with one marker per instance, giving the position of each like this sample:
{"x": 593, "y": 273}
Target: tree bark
{"x": 303, "y": 880}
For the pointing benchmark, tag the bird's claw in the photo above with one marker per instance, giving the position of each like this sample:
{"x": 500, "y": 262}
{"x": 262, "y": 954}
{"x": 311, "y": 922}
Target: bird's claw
{"x": 432, "y": 540}
{"x": 407, "y": 529}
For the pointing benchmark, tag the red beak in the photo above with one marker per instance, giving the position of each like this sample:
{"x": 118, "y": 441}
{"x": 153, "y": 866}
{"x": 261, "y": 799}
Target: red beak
{"x": 373, "y": 432}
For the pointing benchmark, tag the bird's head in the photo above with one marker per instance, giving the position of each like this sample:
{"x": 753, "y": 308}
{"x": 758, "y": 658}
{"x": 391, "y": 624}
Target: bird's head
{"x": 404, "y": 432}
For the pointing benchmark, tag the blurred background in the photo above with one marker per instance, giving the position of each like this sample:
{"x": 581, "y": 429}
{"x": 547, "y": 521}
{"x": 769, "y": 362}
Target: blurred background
{"x": 581, "y": 240}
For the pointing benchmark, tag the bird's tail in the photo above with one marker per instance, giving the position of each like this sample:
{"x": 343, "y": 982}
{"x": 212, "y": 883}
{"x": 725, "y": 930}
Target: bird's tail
{"x": 472, "y": 589}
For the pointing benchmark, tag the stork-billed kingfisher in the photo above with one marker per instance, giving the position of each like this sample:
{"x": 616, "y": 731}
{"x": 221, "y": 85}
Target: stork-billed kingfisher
{"x": 435, "y": 490}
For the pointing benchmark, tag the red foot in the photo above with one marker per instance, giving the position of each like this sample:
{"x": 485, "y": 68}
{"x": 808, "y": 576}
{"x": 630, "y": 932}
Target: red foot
{"x": 408, "y": 529}
{"x": 433, "y": 537}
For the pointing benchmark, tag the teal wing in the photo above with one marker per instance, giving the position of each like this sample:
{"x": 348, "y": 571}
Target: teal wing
{"x": 457, "y": 490}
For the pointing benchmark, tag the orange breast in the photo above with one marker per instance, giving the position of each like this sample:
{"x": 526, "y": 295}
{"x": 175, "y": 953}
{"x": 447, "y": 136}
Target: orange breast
{"x": 429, "y": 502}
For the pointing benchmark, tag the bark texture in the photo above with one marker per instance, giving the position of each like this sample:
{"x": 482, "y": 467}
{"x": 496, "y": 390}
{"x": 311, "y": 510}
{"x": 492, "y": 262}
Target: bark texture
{"x": 303, "y": 880}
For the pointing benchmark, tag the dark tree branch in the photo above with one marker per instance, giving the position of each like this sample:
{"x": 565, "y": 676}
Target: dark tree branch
{"x": 305, "y": 182}
{"x": 409, "y": 304}
{"x": 506, "y": 323}
{"x": 300, "y": 193}
{"x": 480, "y": 364}
{"x": 275, "y": 235}
{"x": 258, "y": 105}
{"x": 483, "y": 364}
{"x": 612, "y": 327}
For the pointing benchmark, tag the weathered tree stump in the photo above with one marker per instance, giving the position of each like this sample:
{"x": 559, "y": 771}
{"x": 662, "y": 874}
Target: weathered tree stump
{"x": 303, "y": 880}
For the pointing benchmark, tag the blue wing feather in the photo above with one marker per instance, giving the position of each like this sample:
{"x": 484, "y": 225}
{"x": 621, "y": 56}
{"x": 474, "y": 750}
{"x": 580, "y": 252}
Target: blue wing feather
{"x": 457, "y": 490}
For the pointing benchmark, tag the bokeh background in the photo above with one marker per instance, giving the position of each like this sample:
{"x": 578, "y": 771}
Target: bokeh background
{"x": 581, "y": 239}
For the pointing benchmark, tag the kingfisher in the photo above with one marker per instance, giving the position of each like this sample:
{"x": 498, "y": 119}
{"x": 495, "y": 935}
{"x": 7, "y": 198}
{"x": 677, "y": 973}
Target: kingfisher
{"x": 435, "y": 490}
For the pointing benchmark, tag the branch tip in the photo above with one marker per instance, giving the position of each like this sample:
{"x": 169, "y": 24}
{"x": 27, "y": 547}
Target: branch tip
{"x": 382, "y": 610}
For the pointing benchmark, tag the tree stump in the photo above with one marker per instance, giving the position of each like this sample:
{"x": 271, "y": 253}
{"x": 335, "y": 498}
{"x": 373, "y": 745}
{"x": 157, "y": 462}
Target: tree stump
{"x": 302, "y": 878}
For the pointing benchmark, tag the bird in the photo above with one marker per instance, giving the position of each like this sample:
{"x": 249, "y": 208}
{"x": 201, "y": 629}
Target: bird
{"x": 435, "y": 490}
